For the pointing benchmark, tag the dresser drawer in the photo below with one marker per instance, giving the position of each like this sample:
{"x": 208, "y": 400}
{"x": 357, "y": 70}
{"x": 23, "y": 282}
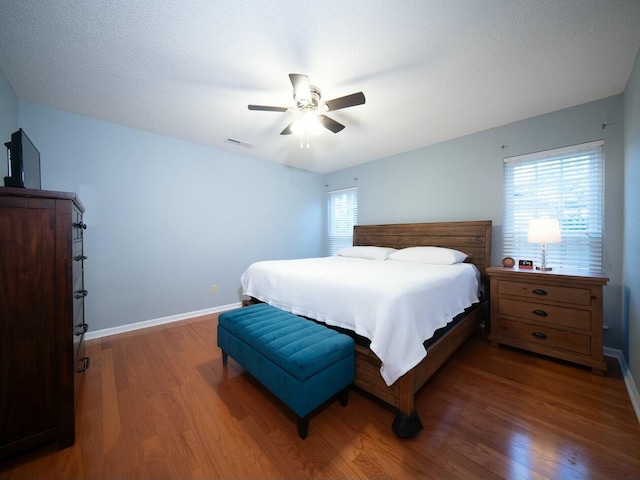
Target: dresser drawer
{"x": 547, "y": 336}
{"x": 81, "y": 364}
{"x": 539, "y": 312}
{"x": 77, "y": 224}
{"x": 78, "y": 318}
{"x": 79, "y": 327}
{"x": 77, "y": 260}
{"x": 541, "y": 292}
{"x": 78, "y": 293}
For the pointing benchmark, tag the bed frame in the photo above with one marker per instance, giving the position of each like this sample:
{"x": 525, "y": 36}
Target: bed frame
{"x": 470, "y": 237}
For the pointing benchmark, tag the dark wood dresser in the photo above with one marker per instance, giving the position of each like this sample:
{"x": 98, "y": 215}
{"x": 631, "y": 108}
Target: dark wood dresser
{"x": 42, "y": 322}
{"x": 555, "y": 313}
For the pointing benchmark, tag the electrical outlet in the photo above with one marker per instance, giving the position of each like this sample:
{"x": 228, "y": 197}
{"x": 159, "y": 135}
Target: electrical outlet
{"x": 214, "y": 289}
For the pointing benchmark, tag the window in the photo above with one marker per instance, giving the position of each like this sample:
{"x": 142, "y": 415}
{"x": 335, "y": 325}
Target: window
{"x": 342, "y": 212}
{"x": 567, "y": 184}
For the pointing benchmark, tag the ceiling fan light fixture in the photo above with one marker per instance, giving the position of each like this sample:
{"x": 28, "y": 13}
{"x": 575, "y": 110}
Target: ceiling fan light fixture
{"x": 297, "y": 126}
{"x": 311, "y": 110}
{"x": 307, "y": 123}
{"x": 312, "y": 123}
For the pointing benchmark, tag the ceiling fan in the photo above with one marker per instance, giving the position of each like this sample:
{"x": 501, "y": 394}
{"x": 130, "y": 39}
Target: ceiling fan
{"x": 311, "y": 109}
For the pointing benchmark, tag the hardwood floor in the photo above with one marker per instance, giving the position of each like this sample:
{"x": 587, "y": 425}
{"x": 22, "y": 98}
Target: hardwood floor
{"x": 157, "y": 403}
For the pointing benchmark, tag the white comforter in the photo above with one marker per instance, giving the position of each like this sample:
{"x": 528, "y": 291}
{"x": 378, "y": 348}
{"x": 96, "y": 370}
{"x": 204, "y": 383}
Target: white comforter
{"x": 395, "y": 304}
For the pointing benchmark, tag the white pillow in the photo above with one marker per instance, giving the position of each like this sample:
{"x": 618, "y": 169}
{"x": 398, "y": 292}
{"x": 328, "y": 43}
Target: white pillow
{"x": 370, "y": 253}
{"x": 433, "y": 255}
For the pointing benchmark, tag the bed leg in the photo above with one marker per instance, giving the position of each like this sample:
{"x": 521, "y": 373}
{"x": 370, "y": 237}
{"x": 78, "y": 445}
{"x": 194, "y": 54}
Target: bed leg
{"x": 225, "y": 358}
{"x": 407, "y": 425}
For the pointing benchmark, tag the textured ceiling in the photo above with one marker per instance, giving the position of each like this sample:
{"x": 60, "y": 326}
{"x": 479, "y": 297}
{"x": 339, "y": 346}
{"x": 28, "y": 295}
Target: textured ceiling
{"x": 430, "y": 70}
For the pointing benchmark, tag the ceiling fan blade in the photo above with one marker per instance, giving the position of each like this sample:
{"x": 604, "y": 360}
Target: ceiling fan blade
{"x": 346, "y": 101}
{"x": 288, "y": 130}
{"x": 265, "y": 108}
{"x": 330, "y": 123}
{"x": 300, "y": 86}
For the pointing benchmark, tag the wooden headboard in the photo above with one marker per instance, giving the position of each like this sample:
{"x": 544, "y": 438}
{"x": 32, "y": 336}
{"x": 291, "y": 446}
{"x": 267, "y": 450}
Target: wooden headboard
{"x": 472, "y": 238}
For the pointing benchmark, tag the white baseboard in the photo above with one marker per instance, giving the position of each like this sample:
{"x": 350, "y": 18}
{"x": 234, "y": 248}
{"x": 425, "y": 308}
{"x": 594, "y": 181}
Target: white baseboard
{"x": 628, "y": 379}
{"x": 157, "y": 321}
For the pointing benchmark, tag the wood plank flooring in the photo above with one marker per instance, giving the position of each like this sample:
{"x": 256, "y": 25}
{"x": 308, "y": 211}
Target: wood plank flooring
{"x": 157, "y": 403}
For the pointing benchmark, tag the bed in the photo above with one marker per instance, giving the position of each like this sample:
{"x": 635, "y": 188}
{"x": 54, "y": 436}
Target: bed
{"x": 398, "y": 390}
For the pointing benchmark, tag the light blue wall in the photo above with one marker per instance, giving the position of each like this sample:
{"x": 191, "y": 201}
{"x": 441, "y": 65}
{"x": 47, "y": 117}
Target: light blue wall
{"x": 167, "y": 218}
{"x": 631, "y": 278}
{"x": 8, "y": 119}
{"x": 185, "y": 216}
{"x": 462, "y": 180}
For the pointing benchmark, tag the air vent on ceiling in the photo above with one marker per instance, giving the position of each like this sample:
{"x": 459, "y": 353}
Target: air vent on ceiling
{"x": 233, "y": 141}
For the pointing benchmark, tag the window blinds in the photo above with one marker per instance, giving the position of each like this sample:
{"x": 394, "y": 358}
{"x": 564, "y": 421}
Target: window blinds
{"x": 342, "y": 212}
{"x": 567, "y": 184}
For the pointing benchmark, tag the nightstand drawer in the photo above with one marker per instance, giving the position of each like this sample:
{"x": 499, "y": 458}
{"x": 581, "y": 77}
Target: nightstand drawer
{"x": 539, "y": 312}
{"x": 541, "y": 292}
{"x": 550, "y": 337}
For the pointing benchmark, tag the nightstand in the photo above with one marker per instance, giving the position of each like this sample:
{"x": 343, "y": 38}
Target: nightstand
{"x": 556, "y": 313}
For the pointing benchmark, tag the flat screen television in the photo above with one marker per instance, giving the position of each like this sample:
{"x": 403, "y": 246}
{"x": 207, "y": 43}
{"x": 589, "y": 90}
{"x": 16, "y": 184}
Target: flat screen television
{"x": 23, "y": 161}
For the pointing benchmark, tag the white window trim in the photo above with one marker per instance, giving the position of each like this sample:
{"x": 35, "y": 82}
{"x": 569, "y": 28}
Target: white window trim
{"x": 581, "y": 247}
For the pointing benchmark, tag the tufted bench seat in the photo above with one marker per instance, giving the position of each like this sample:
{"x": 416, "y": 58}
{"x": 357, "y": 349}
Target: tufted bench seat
{"x": 301, "y": 362}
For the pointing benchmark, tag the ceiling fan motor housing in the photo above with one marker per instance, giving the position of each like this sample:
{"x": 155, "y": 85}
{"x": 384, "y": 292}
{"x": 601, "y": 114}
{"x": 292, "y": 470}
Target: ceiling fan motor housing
{"x": 312, "y": 102}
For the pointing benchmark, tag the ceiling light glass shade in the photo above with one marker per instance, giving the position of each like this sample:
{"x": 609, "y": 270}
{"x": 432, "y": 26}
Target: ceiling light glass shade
{"x": 297, "y": 126}
{"x": 544, "y": 230}
{"x": 308, "y": 123}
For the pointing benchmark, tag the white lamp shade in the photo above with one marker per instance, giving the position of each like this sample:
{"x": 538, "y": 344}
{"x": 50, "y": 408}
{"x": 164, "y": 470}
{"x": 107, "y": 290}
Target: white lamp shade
{"x": 544, "y": 230}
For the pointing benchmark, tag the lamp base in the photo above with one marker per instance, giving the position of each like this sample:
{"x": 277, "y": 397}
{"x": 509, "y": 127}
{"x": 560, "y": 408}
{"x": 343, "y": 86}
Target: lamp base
{"x": 544, "y": 269}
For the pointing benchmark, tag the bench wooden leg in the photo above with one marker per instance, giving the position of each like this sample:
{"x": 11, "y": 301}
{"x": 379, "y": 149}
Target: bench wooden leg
{"x": 303, "y": 426}
{"x": 225, "y": 358}
{"x": 344, "y": 396}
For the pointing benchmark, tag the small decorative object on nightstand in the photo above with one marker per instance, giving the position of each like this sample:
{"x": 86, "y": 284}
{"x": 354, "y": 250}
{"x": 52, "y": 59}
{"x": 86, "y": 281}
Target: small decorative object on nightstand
{"x": 508, "y": 262}
{"x": 557, "y": 313}
{"x": 526, "y": 264}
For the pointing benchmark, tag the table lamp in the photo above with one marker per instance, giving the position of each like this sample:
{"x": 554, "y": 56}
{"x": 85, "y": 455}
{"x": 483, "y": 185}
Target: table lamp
{"x": 543, "y": 231}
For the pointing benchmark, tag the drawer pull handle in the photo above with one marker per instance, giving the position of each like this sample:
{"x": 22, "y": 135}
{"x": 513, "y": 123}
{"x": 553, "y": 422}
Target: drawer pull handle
{"x": 81, "y": 293}
{"x": 540, "y": 313}
{"x": 80, "y": 225}
{"x": 539, "y": 291}
{"x": 79, "y": 258}
{"x": 539, "y": 335}
{"x": 86, "y": 361}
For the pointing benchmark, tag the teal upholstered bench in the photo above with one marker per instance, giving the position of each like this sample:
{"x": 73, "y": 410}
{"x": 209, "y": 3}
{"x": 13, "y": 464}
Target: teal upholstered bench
{"x": 301, "y": 362}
